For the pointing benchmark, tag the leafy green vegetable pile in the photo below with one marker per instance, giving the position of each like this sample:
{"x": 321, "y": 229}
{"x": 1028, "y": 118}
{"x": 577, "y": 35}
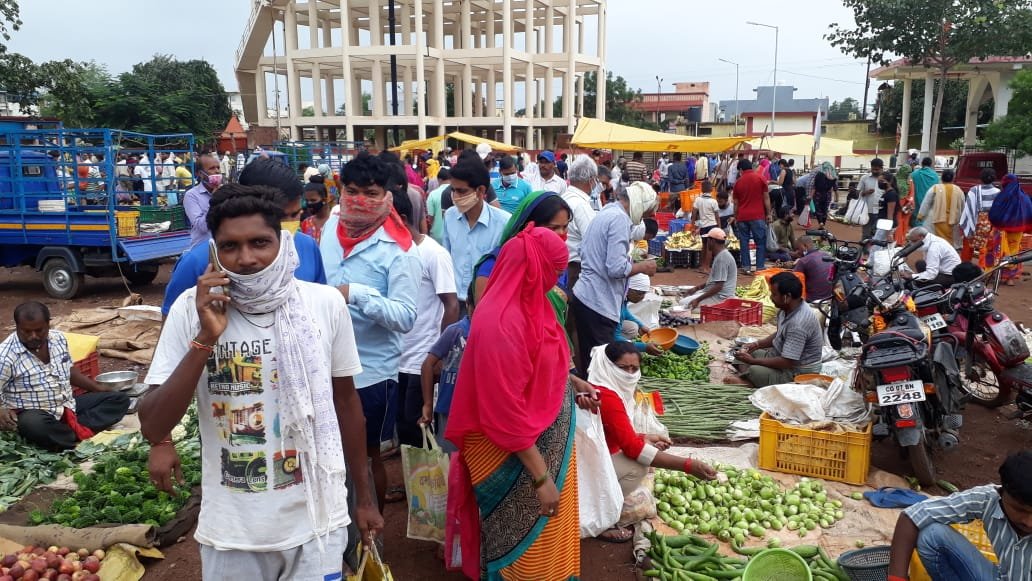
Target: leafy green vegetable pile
{"x": 701, "y": 411}
{"x": 23, "y": 467}
{"x": 694, "y": 367}
{"x": 748, "y": 504}
{"x": 120, "y": 491}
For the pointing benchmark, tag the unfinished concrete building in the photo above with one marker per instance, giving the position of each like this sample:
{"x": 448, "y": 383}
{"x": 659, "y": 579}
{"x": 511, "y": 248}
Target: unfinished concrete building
{"x": 322, "y": 69}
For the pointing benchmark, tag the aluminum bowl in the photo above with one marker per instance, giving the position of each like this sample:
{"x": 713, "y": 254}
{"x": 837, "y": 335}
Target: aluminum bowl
{"x": 118, "y": 379}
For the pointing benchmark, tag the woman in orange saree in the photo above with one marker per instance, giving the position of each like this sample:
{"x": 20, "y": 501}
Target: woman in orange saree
{"x": 512, "y": 421}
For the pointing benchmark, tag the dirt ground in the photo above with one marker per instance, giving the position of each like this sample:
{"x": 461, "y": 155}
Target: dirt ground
{"x": 986, "y": 437}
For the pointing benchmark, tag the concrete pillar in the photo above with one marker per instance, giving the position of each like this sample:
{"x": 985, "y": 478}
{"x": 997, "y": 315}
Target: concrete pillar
{"x": 262, "y": 96}
{"x": 379, "y": 91}
{"x": 375, "y": 27}
{"x": 313, "y": 27}
{"x": 490, "y": 28}
{"x": 331, "y": 97}
{"x": 327, "y": 34}
{"x": 1002, "y": 94}
{"x": 406, "y": 95}
{"x": 463, "y": 89}
{"x": 530, "y": 83}
{"x": 420, "y": 43}
{"x": 491, "y": 103}
{"x": 317, "y": 99}
{"x": 908, "y": 88}
{"x": 600, "y": 81}
{"x": 465, "y": 36}
{"x": 293, "y": 79}
{"x": 569, "y": 44}
{"x": 506, "y": 69}
{"x": 926, "y": 125}
{"x": 439, "y": 92}
{"x": 976, "y": 88}
{"x": 580, "y": 95}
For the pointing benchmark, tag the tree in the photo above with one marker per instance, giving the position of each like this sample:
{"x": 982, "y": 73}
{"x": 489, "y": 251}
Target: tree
{"x": 936, "y": 34}
{"x": 308, "y": 111}
{"x": 73, "y": 92}
{"x": 1015, "y": 129}
{"x": 844, "y": 110}
{"x": 619, "y": 97}
{"x": 8, "y": 16}
{"x": 165, "y": 95}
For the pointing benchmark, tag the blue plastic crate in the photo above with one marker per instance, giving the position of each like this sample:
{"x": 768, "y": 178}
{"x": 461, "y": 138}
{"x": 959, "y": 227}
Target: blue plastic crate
{"x": 656, "y": 245}
{"x": 677, "y": 226}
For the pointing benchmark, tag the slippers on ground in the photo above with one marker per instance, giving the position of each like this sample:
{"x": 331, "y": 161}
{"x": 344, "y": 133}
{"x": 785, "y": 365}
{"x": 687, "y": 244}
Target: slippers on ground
{"x": 889, "y": 497}
{"x": 395, "y": 494}
{"x": 617, "y": 535}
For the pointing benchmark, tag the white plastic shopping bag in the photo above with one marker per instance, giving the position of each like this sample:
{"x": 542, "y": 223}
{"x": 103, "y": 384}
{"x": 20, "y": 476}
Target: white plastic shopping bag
{"x": 856, "y": 212}
{"x": 600, "y": 497}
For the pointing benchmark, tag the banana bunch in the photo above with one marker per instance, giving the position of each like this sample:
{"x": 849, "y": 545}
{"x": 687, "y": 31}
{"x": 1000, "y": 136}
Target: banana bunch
{"x": 684, "y": 241}
{"x": 757, "y": 291}
{"x": 732, "y": 242}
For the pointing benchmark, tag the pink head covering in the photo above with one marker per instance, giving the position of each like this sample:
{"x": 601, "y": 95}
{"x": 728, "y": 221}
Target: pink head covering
{"x": 517, "y": 357}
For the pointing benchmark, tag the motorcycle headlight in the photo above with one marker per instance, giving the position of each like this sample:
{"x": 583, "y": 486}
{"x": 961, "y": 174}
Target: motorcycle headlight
{"x": 839, "y": 290}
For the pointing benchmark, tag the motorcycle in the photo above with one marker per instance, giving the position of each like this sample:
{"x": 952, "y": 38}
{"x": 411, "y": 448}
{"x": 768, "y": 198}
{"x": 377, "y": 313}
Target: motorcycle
{"x": 912, "y": 382}
{"x": 848, "y": 308}
{"x": 991, "y": 350}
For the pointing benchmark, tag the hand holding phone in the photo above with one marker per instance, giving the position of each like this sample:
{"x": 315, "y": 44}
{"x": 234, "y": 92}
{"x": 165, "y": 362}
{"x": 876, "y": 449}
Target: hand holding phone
{"x": 213, "y": 260}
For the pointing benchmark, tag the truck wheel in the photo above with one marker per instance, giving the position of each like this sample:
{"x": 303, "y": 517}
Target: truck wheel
{"x": 59, "y": 280}
{"x": 921, "y": 462}
{"x": 143, "y": 276}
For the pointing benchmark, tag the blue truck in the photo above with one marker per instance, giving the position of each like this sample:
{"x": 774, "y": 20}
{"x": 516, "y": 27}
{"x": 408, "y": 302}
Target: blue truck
{"x": 96, "y": 202}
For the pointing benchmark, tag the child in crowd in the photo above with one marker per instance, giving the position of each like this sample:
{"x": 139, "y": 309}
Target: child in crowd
{"x": 727, "y": 209}
{"x": 444, "y": 359}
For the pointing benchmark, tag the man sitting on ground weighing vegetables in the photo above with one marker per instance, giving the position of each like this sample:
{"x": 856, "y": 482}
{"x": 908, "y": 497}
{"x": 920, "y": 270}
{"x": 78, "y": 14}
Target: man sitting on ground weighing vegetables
{"x": 36, "y": 379}
{"x": 1006, "y": 515}
{"x": 795, "y": 348}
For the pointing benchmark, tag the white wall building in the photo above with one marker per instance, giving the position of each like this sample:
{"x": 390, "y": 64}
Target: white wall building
{"x": 501, "y": 57}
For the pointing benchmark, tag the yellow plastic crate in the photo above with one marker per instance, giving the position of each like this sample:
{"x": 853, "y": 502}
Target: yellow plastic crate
{"x": 972, "y": 531}
{"x": 844, "y": 457}
{"x": 128, "y": 223}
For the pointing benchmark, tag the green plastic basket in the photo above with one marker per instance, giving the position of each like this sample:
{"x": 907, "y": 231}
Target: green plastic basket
{"x": 777, "y": 565}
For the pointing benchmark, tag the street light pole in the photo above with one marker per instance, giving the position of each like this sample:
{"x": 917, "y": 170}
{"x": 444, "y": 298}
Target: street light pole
{"x": 736, "y": 90}
{"x": 774, "y": 97}
{"x": 659, "y": 97}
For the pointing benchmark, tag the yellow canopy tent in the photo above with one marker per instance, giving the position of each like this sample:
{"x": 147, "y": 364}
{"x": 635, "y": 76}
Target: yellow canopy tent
{"x": 436, "y": 143}
{"x": 802, "y": 144}
{"x": 593, "y": 133}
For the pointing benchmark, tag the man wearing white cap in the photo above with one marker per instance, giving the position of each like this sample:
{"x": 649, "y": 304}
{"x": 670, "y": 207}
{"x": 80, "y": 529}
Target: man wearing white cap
{"x": 723, "y": 277}
{"x": 631, "y": 327}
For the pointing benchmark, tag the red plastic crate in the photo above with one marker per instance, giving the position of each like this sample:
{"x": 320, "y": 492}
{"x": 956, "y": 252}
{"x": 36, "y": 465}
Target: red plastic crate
{"x": 742, "y": 311}
{"x": 90, "y": 366}
{"x": 664, "y": 218}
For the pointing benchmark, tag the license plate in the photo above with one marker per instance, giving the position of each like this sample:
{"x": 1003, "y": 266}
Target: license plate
{"x": 900, "y": 392}
{"x": 934, "y": 322}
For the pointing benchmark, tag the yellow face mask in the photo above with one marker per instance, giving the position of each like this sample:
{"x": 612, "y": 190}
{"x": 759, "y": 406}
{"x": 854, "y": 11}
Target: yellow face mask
{"x": 293, "y": 226}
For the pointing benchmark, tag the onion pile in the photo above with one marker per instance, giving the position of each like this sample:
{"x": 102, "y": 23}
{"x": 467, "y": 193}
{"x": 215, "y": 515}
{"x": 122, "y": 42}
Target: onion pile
{"x": 51, "y": 564}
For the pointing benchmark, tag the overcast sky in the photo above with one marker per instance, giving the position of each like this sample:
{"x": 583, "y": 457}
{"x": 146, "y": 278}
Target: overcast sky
{"x": 672, "y": 39}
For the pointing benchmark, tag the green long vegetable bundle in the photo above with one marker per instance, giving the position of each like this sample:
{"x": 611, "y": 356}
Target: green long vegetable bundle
{"x": 692, "y": 558}
{"x": 701, "y": 411}
{"x": 669, "y": 365}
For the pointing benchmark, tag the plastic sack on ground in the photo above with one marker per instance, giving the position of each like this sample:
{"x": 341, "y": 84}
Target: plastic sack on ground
{"x": 799, "y": 403}
{"x": 599, "y": 494}
{"x": 639, "y": 505}
{"x": 426, "y": 488}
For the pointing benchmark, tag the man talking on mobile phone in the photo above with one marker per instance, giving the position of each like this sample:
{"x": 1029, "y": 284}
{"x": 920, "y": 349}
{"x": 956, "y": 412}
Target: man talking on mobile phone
{"x": 271, "y": 365}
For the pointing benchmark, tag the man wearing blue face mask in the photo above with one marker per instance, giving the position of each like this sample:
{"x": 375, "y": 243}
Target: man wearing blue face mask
{"x": 197, "y": 198}
{"x": 509, "y": 187}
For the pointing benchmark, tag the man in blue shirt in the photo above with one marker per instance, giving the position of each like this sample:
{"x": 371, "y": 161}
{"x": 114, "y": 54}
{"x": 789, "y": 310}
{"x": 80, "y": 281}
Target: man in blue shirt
{"x": 472, "y": 228}
{"x": 260, "y": 172}
{"x": 369, "y": 256}
{"x": 509, "y": 187}
{"x": 606, "y": 264}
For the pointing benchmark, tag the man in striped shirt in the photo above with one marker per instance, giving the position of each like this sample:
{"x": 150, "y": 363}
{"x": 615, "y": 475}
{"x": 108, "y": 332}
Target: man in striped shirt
{"x": 36, "y": 379}
{"x": 1006, "y": 515}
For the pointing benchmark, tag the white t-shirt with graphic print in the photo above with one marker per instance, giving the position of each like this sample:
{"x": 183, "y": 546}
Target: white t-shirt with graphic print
{"x": 253, "y": 497}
